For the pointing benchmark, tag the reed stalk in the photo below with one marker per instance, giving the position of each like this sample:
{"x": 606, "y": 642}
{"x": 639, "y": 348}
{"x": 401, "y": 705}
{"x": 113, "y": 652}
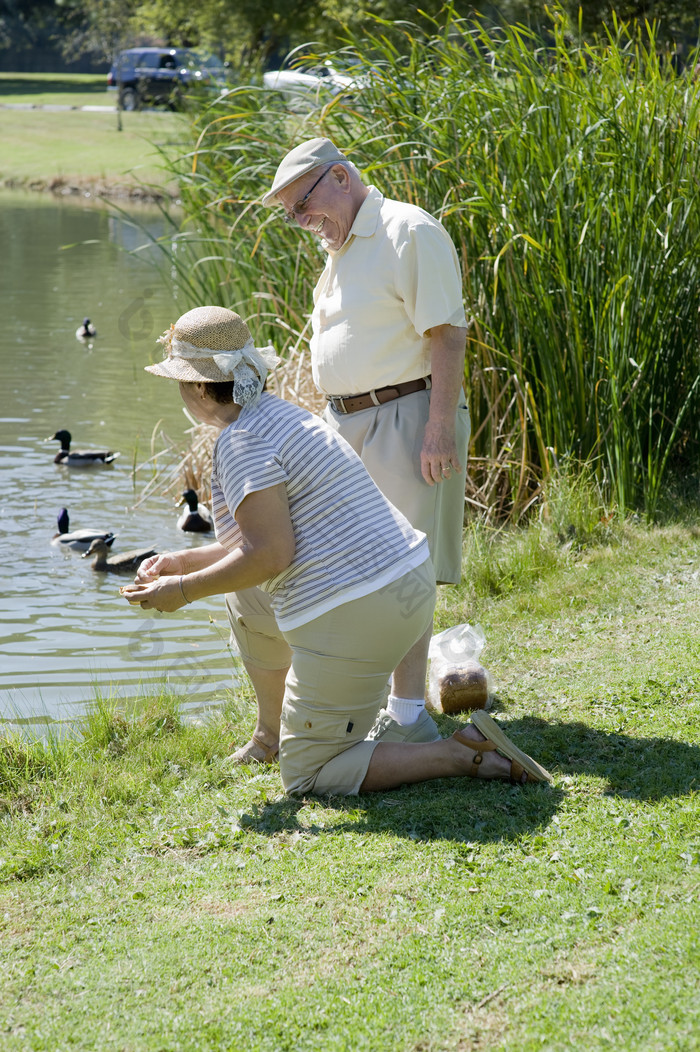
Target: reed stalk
{"x": 568, "y": 178}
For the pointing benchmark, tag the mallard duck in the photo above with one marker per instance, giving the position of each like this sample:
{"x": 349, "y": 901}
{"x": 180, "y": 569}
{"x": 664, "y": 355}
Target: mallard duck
{"x": 85, "y": 331}
{"x": 79, "y": 540}
{"x": 196, "y": 518}
{"x": 79, "y": 458}
{"x": 125, "y": 562}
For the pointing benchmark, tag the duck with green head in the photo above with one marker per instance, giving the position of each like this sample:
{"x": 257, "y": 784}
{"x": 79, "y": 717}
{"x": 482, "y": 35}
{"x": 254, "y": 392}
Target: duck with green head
{"x": 85, "y": 331}
{"x": 78, "y": 540}
{"x": 196, "y": 518}
{"x": 79, "y": 458}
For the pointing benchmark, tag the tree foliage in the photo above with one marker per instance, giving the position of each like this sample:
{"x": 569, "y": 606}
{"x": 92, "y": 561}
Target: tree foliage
{"x": 22, "y": 22}
{"x": 247, "y": 28}
{"x": 675, "y": 19}
{"x": 103, "y": 26}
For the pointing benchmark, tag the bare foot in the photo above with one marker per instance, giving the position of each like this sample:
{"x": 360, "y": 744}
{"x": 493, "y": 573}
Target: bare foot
{"x": 254, "y": 751}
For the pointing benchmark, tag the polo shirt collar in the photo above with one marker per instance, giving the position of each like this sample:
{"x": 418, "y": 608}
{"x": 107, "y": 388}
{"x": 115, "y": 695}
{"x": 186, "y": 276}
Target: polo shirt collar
{"x": 366, "y": 220}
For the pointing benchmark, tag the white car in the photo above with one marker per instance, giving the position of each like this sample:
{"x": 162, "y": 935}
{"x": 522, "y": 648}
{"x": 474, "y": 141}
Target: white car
{"x": 308, "y": 85}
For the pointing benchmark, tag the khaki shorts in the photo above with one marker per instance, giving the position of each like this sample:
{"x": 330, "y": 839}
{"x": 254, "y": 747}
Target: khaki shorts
{"x": 341, "y": 664}
{"x": 255, "y": 631}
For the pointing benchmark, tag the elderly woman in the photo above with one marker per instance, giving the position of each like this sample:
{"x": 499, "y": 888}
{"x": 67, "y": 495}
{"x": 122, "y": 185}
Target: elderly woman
{"x": 350, "y": 580}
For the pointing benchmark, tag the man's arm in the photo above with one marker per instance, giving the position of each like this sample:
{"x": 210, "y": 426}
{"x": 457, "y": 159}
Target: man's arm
{"x": 439, "y": 456}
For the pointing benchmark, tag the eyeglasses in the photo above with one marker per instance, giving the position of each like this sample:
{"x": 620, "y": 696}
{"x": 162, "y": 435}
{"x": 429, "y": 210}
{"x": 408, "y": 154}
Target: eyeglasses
{"x": 300, "y": 207}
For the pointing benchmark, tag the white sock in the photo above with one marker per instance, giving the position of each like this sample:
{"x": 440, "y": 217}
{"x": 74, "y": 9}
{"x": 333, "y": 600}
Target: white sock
{"x": 404, "y": 710}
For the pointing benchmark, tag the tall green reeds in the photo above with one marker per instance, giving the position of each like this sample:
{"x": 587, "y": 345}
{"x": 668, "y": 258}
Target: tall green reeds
{"x": 568, "y": 178}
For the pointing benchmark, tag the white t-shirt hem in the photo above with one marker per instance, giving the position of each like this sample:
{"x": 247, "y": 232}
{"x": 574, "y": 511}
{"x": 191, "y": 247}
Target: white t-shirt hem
{"x": 415, "y": 558}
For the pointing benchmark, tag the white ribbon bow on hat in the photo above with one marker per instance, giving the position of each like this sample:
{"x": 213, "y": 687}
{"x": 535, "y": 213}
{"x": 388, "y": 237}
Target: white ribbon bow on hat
{"x": 247, "y": 365}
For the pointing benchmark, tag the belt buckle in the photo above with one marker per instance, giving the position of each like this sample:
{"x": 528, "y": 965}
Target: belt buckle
{"x": 338, "y": 404}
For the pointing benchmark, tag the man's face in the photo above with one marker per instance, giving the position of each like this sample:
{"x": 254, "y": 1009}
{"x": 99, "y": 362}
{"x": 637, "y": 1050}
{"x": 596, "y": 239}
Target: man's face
{"x": 329, "y": 211}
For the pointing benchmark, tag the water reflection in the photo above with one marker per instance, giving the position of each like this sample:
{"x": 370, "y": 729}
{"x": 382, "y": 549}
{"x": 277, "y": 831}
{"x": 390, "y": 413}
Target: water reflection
{"x": 66, "y": 633}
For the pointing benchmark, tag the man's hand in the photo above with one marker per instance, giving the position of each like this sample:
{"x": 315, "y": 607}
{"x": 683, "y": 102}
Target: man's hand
{"x": 439, "y": 456}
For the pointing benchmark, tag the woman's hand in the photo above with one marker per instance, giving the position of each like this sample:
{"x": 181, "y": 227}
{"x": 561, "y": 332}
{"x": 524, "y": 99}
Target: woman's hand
{"x": 268, "y": 549}
{"x": 187, "y": 560}
{"x": 164, "y": 594}
{"x": 159, "y": 566}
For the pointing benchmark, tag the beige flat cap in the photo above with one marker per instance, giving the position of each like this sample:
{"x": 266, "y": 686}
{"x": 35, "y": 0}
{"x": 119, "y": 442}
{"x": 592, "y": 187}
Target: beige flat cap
{"x": 302, "y": 159}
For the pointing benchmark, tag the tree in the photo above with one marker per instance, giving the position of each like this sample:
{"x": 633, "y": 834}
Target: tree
{"x": 97, "y": 25}
{"x": 677, "y": 20}
{"x": 23, "y": 22}
{"x": 267, "y": 31}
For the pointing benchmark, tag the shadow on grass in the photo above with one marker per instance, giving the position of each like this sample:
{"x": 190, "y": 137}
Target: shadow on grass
{"x": 481, "y": 812}
{"x": 635, "y": 768}
{"x": 458, "y": 810}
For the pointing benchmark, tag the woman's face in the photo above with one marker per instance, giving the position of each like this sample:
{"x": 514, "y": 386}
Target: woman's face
{"x": 205, "y": 408}
{"x": 194, "y": 397}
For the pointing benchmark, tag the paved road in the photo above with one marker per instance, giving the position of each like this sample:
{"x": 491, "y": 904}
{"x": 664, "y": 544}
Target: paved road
{"x": 52, "y": 107}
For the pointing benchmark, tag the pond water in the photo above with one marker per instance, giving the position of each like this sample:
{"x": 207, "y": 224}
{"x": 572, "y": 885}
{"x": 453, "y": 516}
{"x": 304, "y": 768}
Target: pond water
{"x": 67, "y": 635}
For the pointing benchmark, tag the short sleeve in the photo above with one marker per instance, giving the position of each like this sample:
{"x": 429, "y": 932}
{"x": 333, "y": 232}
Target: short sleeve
{"x": 429, "y": 279}
{"x": 243, "y": 464}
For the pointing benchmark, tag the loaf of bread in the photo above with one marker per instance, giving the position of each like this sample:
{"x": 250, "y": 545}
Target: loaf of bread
{"x": 465, "y": 688}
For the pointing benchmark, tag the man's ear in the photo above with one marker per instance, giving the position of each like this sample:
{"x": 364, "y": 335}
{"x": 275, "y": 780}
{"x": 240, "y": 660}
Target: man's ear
{"x": 342, "y": 176}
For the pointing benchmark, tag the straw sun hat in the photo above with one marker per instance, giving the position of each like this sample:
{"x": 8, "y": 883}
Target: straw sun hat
{"x": 213, "y": 345}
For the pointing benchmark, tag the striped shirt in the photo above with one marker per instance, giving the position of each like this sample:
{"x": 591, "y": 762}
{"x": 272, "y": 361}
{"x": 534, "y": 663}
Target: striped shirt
{"x": 349, "y": 540}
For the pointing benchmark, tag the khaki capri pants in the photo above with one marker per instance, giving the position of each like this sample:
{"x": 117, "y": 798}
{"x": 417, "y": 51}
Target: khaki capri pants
{"x": 341, "y": 663}
{"x": 388, "y": 439}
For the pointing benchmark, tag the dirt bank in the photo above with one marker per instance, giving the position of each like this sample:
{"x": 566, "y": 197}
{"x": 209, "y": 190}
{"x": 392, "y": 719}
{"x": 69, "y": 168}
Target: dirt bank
{"x": 93, "y": 188}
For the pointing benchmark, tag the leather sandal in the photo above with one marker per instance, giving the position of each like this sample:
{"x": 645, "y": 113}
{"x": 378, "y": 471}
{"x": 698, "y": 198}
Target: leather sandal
{"x": 243, "y": 755}
{"x": 523, "y": 768}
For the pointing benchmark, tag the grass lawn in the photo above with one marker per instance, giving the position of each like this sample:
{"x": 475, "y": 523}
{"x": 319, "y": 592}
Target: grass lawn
{"x": 62, "y": 89}
{"x": 78, "y": 149}
{"x": 152, "y": 899}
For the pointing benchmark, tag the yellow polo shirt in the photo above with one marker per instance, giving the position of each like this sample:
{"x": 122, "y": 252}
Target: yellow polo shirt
{"x": 396, "y": 276}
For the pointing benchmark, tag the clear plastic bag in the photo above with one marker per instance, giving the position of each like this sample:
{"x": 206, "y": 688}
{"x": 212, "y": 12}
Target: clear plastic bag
{"x": 457, "y": 681}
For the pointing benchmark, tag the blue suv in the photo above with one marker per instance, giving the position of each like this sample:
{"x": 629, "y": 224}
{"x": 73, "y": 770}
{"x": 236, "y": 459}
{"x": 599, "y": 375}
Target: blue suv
{"x": 162, "y": 76}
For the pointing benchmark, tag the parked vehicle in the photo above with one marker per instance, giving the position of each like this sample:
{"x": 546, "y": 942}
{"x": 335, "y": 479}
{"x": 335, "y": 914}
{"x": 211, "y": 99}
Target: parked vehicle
{"x": 302, "y": 86}
{"x": 162, "y": 76}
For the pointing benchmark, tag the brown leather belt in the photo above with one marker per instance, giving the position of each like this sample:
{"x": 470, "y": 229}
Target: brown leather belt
{"x": 354, "y": 403}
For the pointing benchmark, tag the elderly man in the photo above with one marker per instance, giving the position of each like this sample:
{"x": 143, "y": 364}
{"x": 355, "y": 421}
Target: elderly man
{"x": 387, "y": 351}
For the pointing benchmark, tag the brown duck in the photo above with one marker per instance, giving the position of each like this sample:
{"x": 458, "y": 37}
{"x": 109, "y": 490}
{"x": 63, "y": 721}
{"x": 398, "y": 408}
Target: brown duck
{"x": 124, "y": 562}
